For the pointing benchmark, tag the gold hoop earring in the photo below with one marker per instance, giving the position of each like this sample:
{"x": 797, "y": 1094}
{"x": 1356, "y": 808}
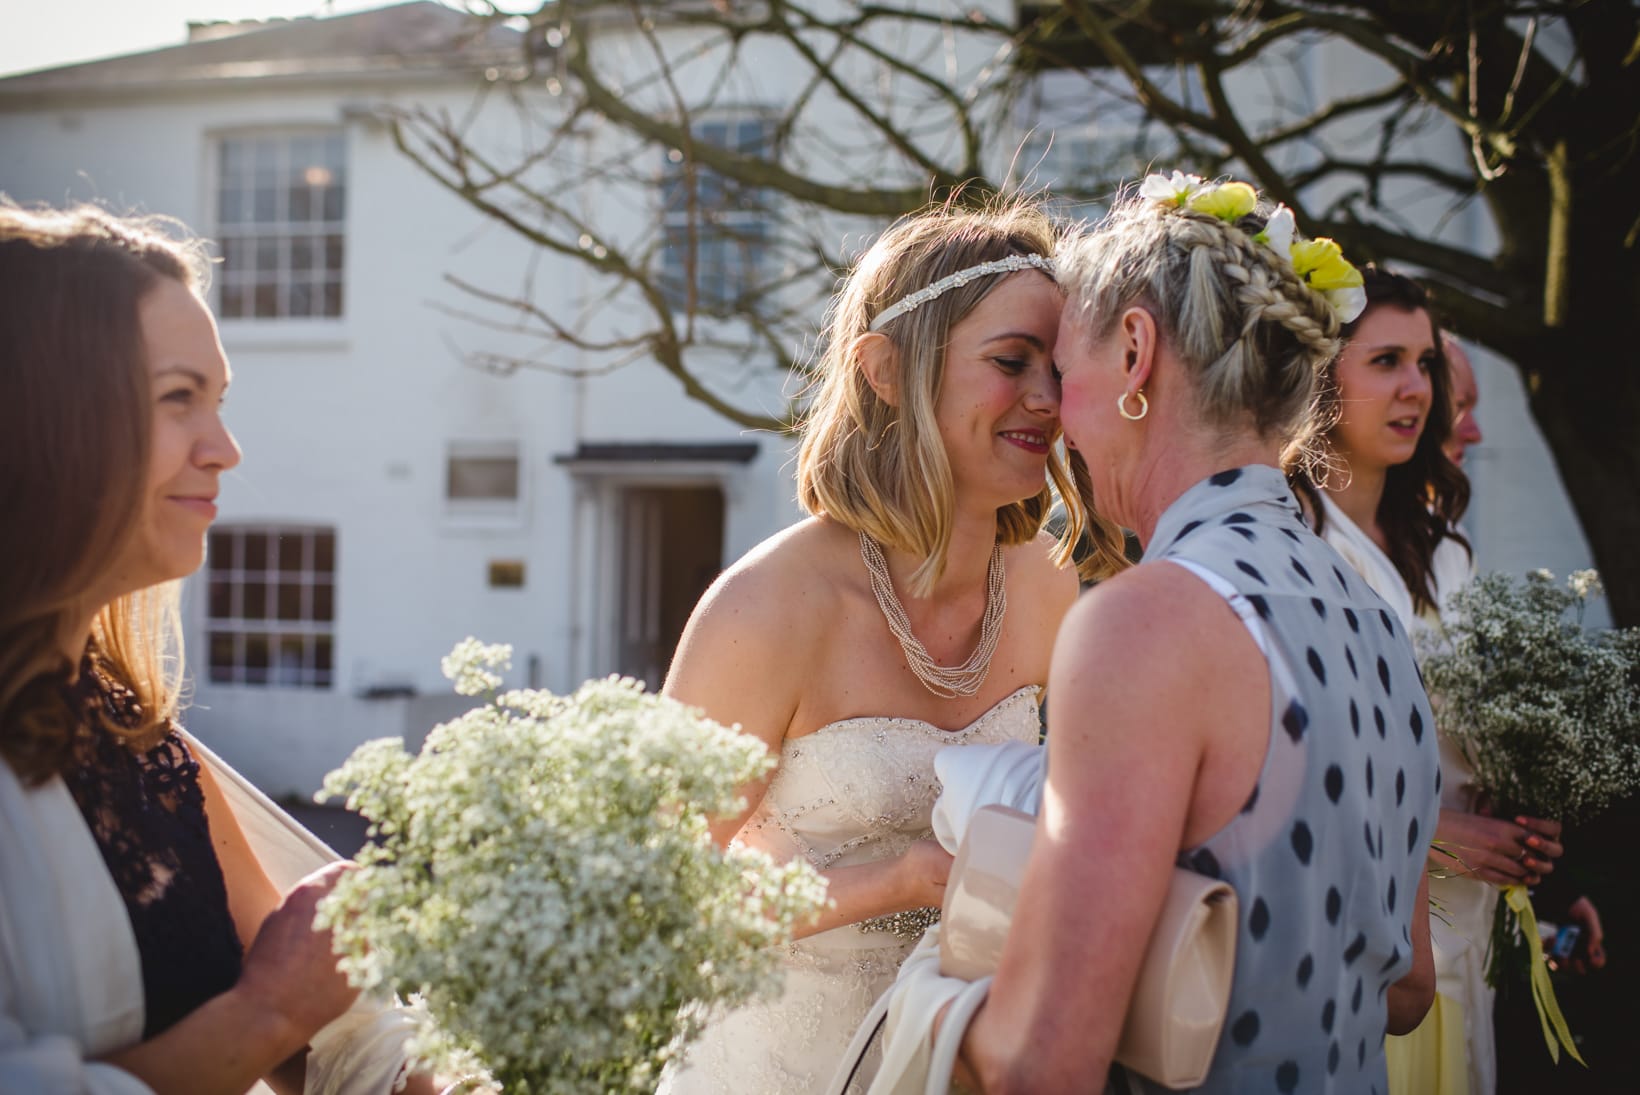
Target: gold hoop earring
{"x": 1144, "y": 405}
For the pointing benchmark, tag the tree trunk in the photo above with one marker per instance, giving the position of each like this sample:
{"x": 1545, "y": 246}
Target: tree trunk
{"x": 1583, "y": 386}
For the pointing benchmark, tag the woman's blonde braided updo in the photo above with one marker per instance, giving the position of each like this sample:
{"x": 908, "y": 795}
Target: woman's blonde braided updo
{"x": 1253, "y": 335}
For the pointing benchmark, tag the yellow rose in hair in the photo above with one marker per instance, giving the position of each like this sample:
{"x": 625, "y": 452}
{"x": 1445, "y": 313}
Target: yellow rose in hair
{"x": 1321, "y": 263}
{"x": 1229, "y": 201}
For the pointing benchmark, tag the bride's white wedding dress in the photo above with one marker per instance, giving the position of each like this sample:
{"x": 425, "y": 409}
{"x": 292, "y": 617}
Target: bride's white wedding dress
{"x": 854, "y": 791}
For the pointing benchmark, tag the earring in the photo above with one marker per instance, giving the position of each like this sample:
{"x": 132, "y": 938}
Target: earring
{"x": 1144, "y": 405}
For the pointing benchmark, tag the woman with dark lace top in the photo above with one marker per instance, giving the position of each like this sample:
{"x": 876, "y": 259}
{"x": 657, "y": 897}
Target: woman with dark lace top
{"x": 142, "y": 945}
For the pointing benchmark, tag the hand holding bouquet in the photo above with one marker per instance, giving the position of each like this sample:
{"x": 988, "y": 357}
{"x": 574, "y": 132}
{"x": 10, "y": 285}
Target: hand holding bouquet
{"x": 543, "y": 886}
{"x": 1548, "y": 716}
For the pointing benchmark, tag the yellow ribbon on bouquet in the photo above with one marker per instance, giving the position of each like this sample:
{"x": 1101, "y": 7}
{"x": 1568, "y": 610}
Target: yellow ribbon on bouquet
{"x": 1555, "y": 1031}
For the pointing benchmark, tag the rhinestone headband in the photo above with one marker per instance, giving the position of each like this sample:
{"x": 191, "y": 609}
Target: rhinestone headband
{"x": 912, "y": 301}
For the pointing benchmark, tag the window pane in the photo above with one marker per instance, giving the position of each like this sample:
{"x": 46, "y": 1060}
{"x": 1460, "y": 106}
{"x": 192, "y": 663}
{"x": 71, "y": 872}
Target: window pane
{"x": 482, "y": 477}
{"x": 324, "y": 552}
{"x": 324, "y": 603}
{"x": 302, "y": 299}
{"x": 292, "y": 548}
{"x": 333, "y": 298}
{"x": 222, "y": 653}
{"x": 222, "y": 546}
{"x": 265, "y": 158}
{"x": 333, "y": 203}
{"x": 221, "y": 600}
{"x": 255, "y": 551}
{"x": 257, "y": 658}
{"x": 233, "y": 254}
{"x": 304, "y": 154}
{"x": 255, "y": 604}
{"x": 290, "y": 601}
{"x": 321, "y": 654}
{"x": 258, "y": 651}
{"x": 335, "y": 155}
{"x": 235, "y": 157}
{"x": 267, "y": 301}
{"x": 288, "y": 664}
{"x": 265, "y": 204}
{"x": 267, "y": 259}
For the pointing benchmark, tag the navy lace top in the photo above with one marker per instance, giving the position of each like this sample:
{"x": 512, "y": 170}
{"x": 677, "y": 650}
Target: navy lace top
{"x": 147, "y": 813}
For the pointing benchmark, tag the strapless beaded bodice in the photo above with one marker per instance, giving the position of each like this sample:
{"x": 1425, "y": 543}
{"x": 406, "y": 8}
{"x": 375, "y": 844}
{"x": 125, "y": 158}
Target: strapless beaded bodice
{"x": 863, "y": 789}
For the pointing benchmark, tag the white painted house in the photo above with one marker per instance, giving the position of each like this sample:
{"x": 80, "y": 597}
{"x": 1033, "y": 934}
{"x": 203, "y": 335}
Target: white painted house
{"x": 393, "y": 499}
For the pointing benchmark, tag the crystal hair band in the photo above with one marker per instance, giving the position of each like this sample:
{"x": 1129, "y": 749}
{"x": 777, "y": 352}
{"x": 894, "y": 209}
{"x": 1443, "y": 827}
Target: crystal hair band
{"x": 912, "y": 301}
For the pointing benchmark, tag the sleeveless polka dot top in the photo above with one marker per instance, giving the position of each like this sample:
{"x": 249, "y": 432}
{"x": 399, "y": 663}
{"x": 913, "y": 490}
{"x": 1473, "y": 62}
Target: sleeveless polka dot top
{"x": 1325, "y": 857}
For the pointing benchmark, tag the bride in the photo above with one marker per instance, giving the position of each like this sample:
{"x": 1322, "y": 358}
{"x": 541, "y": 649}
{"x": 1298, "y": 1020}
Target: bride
{"x": 916, "y": 608}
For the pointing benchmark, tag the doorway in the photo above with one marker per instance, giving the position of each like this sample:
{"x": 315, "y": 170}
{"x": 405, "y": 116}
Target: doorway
{"x": 670, "y": 549}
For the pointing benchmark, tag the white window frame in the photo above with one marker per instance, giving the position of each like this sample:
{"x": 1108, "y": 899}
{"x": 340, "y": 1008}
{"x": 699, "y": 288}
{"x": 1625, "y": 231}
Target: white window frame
{"x": 307, "y": 631}
{"x": 256, "y": 224}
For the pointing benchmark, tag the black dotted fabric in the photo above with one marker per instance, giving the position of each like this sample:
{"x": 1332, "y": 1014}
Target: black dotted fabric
{"x": 1326, "y": 855}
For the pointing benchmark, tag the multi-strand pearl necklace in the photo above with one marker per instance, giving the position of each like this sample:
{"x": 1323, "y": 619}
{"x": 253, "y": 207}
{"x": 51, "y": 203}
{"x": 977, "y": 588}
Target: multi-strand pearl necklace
{"x": 947, "y": 682}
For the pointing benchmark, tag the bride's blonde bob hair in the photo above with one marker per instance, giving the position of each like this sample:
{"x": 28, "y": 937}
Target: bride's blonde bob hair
{"x": 882, "y": 469}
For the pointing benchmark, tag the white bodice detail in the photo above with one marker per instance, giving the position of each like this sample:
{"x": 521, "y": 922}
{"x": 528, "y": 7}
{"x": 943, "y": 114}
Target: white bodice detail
{"x": 863, "y": 789}
{"x": 854, "y": 791}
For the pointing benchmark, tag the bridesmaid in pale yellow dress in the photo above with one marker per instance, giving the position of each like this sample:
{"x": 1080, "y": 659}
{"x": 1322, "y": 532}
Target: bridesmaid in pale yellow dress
{"x": 916, "y": 608}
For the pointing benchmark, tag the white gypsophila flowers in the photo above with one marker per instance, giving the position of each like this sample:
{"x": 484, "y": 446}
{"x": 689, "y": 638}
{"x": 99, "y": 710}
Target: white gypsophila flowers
{"x": 472, "y": 666}
{"x": 1546, "y": 712}
{"x": 544, "y": 888}
{"x": 1585, "y": 583}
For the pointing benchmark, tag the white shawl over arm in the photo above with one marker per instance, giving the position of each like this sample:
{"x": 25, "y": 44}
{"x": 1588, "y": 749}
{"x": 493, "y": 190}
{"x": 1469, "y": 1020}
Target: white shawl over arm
{"x": 70, "y": 976}
{"x": 70, "y": 979}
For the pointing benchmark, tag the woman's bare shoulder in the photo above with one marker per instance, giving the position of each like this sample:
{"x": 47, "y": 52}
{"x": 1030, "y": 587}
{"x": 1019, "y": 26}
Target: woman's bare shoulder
{"x": 796, "y": 565}
{"x": 1150, "y": 610}
{"x": 1032, "y": 563}
{"x": 763, "y": 618}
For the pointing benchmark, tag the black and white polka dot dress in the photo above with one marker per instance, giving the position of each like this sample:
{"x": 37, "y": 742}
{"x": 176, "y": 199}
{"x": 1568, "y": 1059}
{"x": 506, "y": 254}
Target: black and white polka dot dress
{"x": 1326, "y": 855}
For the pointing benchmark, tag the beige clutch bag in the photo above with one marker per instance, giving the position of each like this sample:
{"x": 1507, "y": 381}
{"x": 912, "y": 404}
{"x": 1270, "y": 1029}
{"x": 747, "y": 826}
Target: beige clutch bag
{"x": 1178, "y": 1005}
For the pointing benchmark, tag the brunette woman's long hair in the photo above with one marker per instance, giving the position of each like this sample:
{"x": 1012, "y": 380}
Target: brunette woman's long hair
{"x": 1425, "y": 497}
{"x": 75, "y": 424}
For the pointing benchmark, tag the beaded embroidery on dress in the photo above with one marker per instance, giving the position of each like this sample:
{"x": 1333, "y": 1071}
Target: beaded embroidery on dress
{"x": 854, "y": 791}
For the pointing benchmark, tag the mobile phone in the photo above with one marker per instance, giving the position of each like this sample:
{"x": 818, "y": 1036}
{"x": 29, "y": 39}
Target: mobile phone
{"x": 1565, "y": 944}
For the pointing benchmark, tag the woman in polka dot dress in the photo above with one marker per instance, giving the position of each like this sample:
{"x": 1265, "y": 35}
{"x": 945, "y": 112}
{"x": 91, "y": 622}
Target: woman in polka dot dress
{"x": 1240, "y": 703}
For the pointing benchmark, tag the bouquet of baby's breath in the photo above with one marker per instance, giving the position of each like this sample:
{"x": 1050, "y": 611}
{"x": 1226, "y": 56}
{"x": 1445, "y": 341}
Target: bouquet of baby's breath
{"x": 1548, "y": 716}
{"x": 1546, "y": 712}
{"x": 543, "y": 886}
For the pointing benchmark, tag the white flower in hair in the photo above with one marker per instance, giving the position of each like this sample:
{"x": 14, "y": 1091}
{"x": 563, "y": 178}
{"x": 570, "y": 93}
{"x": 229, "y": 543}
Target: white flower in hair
{"x": 1278, "y": 233}
{"x": 1347, "y": 303}
{"x": 1174, "y": 189}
